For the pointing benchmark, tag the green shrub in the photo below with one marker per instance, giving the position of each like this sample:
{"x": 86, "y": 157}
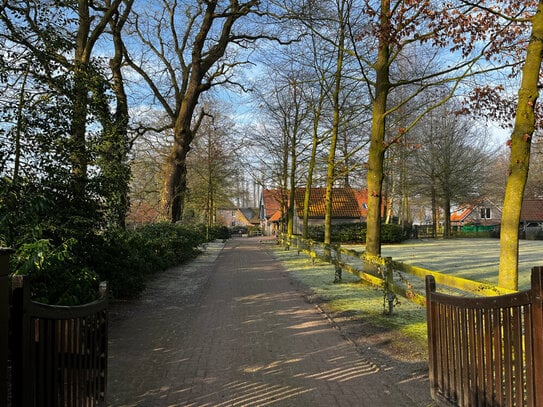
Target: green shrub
{"x": 218, "y": 232}
{"x": 57, "y": 275}
{"x": 68, "y": 274}
{"x": 392, "y": 233}
{"x": 356, "y": 233}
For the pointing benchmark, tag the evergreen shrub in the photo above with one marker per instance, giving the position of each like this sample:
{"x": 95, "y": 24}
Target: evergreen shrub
{"x": 356, "y": 233}
{"x": 69, "y": 273}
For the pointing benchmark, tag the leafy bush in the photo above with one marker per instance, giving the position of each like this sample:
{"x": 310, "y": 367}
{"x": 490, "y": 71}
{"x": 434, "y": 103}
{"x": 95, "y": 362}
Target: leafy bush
{"x": 392, "y": 233}
{"x": 127, "y": 258}
{"x": 57, "y": 275}
{"x": 219, "y": 232}
{"x": 68, "y": 274}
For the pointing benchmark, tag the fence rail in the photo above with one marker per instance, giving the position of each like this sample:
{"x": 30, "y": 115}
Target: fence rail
{"x": 395, "y": 277}
{"x": 59, "y": 353}
{"x": 486, "y": 351}
{"x": 483, "y": 351}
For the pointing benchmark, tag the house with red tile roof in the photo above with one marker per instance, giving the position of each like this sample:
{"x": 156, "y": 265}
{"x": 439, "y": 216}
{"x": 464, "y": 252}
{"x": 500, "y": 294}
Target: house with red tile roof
{"x": 481, "y": 212}
{"x": 531, "y": 219}
{"x": 271, "y": 209}
{"x": 532, "y": 211}
{"x": 348, "y": 206}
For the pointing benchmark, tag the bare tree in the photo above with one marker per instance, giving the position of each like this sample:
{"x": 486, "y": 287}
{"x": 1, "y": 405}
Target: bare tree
{"x": 213, "y": 168}
{"x": 383, "y": 32}
{"x": 182, "y": 50}
{"x": 451, "y": 161}
{"x": 520, "y": 154}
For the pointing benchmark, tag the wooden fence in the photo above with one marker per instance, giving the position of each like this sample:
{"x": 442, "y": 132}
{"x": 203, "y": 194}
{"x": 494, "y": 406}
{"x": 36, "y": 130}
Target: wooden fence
{"x": 395, "y": 277}
{"x": 486, "y": 351}
{"x": 4, "y": 324}
{"x": 483, "y": 351}
{"x": 59, "y": 354}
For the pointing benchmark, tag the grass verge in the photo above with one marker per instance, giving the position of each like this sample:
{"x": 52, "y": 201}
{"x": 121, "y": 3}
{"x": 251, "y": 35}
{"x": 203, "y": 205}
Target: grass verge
{"x": 402, "y": 335}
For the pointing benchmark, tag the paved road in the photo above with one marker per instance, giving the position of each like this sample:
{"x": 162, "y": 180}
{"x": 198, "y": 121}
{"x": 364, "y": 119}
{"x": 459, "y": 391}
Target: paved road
{"x": 230, "y": 329}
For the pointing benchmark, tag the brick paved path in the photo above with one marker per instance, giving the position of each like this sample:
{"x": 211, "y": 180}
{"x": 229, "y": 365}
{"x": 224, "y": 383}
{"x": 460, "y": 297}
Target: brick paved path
{"x": 230, "y": 329}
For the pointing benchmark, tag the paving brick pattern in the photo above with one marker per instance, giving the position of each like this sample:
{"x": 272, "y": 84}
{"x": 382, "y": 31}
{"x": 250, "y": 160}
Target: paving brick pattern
{"x": 230, "y": 329}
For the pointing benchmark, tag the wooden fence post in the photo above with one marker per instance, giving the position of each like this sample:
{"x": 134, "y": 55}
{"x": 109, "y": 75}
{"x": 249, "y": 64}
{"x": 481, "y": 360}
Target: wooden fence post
{"x": 537, "y": 333}
{"x": 432, "y": 334}
{"x": 389, "y": 283}
{"x": 335, "y": 259}
{"x": 5, "y": 255}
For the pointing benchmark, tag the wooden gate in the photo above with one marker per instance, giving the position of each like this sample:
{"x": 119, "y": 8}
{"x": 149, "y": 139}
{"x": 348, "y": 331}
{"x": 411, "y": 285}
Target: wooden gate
{"x": 59, "y": 354}
{"x": 486, "y": 351}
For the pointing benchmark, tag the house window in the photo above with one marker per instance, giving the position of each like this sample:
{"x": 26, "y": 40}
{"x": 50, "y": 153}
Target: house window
{"x": 485, "y": 213}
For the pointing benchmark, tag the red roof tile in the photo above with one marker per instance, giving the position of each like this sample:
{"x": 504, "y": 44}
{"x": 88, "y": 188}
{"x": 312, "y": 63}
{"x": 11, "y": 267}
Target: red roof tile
{"x": 460, "y": 214}
{"x": 532, "y": 210}
{"x": 346, "y": 202}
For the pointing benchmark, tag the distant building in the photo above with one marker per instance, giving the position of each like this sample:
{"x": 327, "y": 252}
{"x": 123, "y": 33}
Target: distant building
{"x": 481, "y": 212}
{"x": 233, "y": 217}
{"x": 348, "y": 206}
{"x": 531, "y": 219}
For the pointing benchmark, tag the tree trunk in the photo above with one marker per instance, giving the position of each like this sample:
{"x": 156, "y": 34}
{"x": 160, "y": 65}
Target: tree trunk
{"x": 79, "y": 159}
{"x": 520, "y": 156}
{"x": 175, "y": 181}
{"x": 435, "y": 215}
{"x": 311, "y": 168}
{"x": 119, "y": 199}
{"x": 309, "y": 182}
{"x": 330, "y": 175}
{"x": 377, "y": 143}
{"x": 292, "y": 189}
{"x": 446, "y": 216}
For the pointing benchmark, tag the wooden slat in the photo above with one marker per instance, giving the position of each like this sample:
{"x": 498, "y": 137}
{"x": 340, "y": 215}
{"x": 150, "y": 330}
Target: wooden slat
{"x": 537, "y": 337}
{"x": 479, "y": 351}
{"x": 487, "y": 351}
{"x": 465, "y": 356}
{"x": 63, "y": 354}
{"x": 471, "y": 350}
{"x": 518, "y": 356}
{"x": 529, "y": 351}
{"x": 488, "y": 359}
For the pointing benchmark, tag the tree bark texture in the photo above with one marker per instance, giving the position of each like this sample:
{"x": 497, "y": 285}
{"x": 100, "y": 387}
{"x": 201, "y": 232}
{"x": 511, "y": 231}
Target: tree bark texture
{"x": 520, "y": 156}
{"x": 377, "y": 143}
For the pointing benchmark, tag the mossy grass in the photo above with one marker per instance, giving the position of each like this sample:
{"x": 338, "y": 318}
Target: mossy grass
{"x": 355, "y": 298}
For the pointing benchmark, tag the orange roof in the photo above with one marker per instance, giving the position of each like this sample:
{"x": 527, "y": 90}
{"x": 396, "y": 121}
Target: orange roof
{"x": 272, "y": 203}
{"x": 460, "y": 214}
{"x": 276, "y": 217}
{"x": 346, "y": 202}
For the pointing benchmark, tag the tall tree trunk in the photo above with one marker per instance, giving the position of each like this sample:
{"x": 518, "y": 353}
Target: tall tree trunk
{"x": 377, "y": 143}
{"x": 292, "y": 189}
{"x": 79, "y": 159}
{"x": 309, "y": 181}
{"x": 435, "y": 214}
{"x": 520, "y": 156}
{"x": 447, "y": 215}
{"x": 119, "y": 147}
{"x": 20, "y": 127}
{"x": 175, "y": 181}
{"x": 330, "y": 175}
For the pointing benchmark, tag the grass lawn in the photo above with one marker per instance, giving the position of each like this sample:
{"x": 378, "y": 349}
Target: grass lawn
{"x": 475, "y": 259}
{"x": 356, "y": 299}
